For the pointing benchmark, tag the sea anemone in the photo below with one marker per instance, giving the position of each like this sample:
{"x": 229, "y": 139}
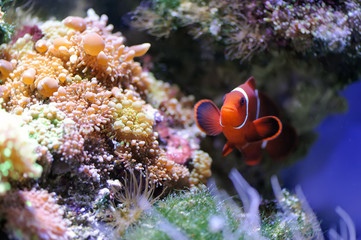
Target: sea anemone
{"x": 135, "y": 195}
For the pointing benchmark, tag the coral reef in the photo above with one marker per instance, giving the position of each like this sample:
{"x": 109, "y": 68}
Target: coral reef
{"x": 76, "y": 101}
{"x": 112, "y": 139}
{"x": 248, "y": 27}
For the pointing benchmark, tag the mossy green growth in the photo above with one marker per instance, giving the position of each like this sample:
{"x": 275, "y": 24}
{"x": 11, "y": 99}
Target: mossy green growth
{"x": 166, "y": 4}
{"x": 202, "y": 215}
{"x": 288, "y": 220}
{"x": 189, "y": 214}
{"x": 6, "y": 30}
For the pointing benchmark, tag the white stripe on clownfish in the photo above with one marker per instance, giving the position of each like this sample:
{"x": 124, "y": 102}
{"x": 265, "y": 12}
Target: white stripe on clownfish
{"x": 238, "y": 89}
{"x": 264, "y": 144}
{"x": 257, "y": 115}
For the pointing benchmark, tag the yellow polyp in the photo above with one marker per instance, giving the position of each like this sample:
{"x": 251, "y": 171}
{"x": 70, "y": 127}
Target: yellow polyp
{"x": 76, "y": 23}
{"x": 118, "y": 106}
{"x": 61, "y": 91}
{"x": 47, "y": 86}
{"x": 4, "y": 91}
{"x": 73, "y": 59}
{"x": 126, "y": 103}
{"x": 141, "y": 116}
{"x": 90, "y": 111}
{"x": 29, "y": 76}
{"x": 93, "y": 44}
{"x": 129, "y": 56}
{"x": 140, "y": 50}
{"x": 90, "y": 96}
{"x": 5, "y": 69}
{"x": 127, "y": 129}
{"x": 102, "y": 59}
{"x": 137, "y": 106}
{"x": 118, "y": 125}
{"x": 120, "y": 50}
{"x": 62, "y": 77}
{"x": 63, "y": 50}
{"x": 41, "y": 46}
{"x": 61, "y": 42}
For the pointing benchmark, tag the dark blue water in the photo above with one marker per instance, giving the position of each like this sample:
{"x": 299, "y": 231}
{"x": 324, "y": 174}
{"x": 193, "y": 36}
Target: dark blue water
{"x": 330, "y": 175}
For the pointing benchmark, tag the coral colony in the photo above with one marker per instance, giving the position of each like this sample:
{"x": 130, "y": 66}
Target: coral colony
{"x": 90, "y": 141}
{"x": 248, "y": 27}
{"x": 75, "y": 101}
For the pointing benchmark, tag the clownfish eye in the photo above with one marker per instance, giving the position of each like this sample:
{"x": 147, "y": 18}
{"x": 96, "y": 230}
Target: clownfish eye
{"x": 242, "y": 101}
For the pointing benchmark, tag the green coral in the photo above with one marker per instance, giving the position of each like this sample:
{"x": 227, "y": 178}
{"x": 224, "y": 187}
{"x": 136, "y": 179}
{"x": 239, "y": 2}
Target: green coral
{"x": 45, "y": 124}
{"x": 17, "y": 151}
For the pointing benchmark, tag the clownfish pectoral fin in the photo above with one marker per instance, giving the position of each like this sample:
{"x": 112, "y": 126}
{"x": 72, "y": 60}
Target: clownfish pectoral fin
{"x": 252, "y": 154}
{"x": 264, "y": 128}
{"x": 227, "y": 149}
{"x": 207, "y": 117}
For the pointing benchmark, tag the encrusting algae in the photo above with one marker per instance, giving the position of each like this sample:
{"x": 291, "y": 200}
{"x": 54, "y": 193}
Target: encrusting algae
{"x": 92, "y": 114}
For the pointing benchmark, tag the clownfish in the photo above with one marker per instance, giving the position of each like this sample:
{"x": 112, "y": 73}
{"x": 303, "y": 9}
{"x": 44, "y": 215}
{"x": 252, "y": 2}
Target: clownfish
{"x": 249, "y": 120}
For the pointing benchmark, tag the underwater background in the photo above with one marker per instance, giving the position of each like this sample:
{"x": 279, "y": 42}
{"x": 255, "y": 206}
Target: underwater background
{"x": 316, "y": 86}
{"x": 330, "y": 173}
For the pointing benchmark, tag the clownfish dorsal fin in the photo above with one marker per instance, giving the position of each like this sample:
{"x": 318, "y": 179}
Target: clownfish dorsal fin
{"x": 251, "y": 82}
{"x": 227, "y": 149}
{"x": 264, "y": 128}
{"x": 207, "y": 117}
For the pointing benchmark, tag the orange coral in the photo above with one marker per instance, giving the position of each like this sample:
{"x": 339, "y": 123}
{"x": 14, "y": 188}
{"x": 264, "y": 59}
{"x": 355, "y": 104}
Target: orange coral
{"x": 86, "y": 103}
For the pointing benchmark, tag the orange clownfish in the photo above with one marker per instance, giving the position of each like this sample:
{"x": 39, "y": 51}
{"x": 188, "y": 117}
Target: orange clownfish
{"x": 248, "y": 119}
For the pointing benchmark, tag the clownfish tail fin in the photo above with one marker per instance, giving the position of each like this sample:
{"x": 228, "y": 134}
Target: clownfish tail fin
{"x": 207, "y": 116}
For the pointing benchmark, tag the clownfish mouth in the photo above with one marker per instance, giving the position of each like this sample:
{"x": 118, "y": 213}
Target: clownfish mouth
{"x": 229, "y": 118}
